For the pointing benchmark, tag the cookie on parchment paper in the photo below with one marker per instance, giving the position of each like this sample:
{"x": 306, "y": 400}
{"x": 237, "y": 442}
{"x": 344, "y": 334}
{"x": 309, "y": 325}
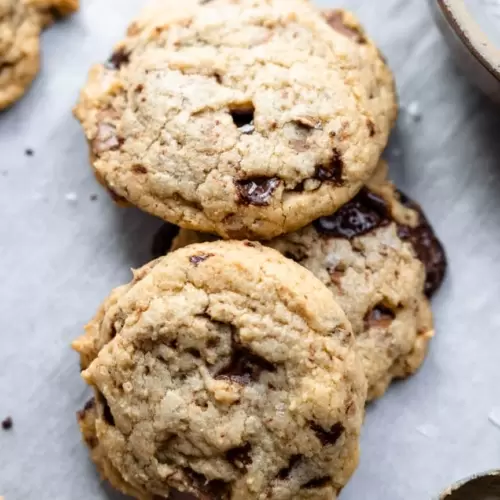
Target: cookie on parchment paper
{"x": 247, "y": 119}
{"x": 227, "y": 371}
{"x": 380, "y": 258}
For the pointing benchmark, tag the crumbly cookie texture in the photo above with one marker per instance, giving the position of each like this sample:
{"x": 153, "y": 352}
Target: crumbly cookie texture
{"x": 373, "y": 255}
{"x": 247, "y": 119}
{"x": 21, "y": 23}
{"x": 224, "y": 371}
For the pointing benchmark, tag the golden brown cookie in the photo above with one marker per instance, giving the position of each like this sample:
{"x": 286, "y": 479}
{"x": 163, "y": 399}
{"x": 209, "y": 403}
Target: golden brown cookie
{"x": 225, "y": 371}
{"x": 379, "y": 258}
{"x": 247, "y": 119}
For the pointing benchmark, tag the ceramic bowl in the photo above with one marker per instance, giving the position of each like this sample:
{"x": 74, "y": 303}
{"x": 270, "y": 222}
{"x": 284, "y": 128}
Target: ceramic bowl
{"x": 472, "y": 30}
{"x": 481, "y": 487}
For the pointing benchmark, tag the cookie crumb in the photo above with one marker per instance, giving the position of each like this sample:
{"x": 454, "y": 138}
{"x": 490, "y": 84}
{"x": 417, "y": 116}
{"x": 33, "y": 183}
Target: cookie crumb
{"x": 93, "y": 197}
{"x": 7, "y": 423}
{"x": 428, "y": 430}
{"x": 413, "y": 110}
{"x": 71, "y": 197}
{"x": 29, "y": 152}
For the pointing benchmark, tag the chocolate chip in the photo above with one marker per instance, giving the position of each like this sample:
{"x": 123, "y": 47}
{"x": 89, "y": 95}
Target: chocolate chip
{"x": 292, "y": 463}
{"x": 207, "y": 490}
{"x": 5, "y": 65}
{"x": 371, "y": 127}
{"x": 243, "y": 116}
{"x": 332, "y": 170}
{"x": 139, "y": 88}
{"x": 7, "y": 423}
{"x": 240, "y": 457}
{"x": 213, "y": 342}
{"x": 29, "y": 152}
{"x": 198, "y": 259}
{"x": 218, "y": 78}
{"x": 320, "y": 482}
{"x": 257, "y": 190}
{"x": 106, "y": 410}
{"x": 178, "y": 495}
{"x": 427, "y": 247}
{"x": 244, "y": 366}
{"x": 379, "y": 317}
{"x": 335, "y": 19}
{"x": 328, "y": 437}
{"x": 162, "y": 240}
{"x": 366, "y": 212}
{"x": 194, "y": 352}
{"x": 118, "y": 59}
{"x": 139, "y": 169}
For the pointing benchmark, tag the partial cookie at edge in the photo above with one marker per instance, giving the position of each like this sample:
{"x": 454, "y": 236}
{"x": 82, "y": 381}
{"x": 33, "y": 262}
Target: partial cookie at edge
{"x": 21, "y": 23}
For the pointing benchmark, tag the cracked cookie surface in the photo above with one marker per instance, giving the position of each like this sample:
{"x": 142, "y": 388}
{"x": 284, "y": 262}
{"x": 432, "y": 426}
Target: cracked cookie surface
{"x": 223, "y": 371}
{"x": 380, "y": 258}
{"x": 21, "y": 24}
{"x": 247, "y": 119}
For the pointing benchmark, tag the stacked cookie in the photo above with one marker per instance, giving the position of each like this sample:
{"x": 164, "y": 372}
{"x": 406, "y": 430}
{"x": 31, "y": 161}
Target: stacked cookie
{"x": 238, "y": 369}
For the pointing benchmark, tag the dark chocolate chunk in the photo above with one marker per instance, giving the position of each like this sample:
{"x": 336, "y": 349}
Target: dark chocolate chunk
{"x": 335, "y": 19}
{"x": 366, "y": 212}
{"x": 257, "y": 190}
{"x": 106, "y": 410}
{"x": 319, "y": 482}
{"x": 427, "y": 246}
{"x": 292, "y": 463}
{"x": 243, "y": 116}
{"x": 240, "y": 457}
{"x": 7, "y": 423}
{"x": 198, "y": 259}
{"x": 178, "y": 495}
{"x": 118, "y": 59}
{"x": 139, "y": 169}
{"x": 162, "y": 240}
{"x": 88, "y": 406}
{"x": 194, "y": 352}
{"x": 379, "y": 317}
{"x": 328, "y": 437}
{"x": 215, "y": 489}
{"x": 244, "y": 366}
{"x": 371, "y": 127}
{"x": 332, "y": 170}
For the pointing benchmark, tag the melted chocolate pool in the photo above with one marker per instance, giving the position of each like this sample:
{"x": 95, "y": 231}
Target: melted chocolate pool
{"x": 368, "y": 211}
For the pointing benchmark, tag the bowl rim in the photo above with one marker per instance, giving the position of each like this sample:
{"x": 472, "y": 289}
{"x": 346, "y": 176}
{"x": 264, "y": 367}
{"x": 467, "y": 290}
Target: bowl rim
{"x": 455, "y": 487}
{"x": 470, "y": 33}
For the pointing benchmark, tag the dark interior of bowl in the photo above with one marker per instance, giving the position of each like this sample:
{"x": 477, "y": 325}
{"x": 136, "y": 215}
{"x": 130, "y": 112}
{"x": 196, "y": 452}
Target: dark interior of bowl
{"x": 479, "y": 488}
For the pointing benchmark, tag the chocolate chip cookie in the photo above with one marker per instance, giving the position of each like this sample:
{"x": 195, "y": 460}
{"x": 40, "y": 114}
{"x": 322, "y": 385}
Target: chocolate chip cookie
{"x": 223, "y": 371}
{"x": 381, "y": 259}
{"x": 247, "y": 119}
{"x": 21, "y": 23}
